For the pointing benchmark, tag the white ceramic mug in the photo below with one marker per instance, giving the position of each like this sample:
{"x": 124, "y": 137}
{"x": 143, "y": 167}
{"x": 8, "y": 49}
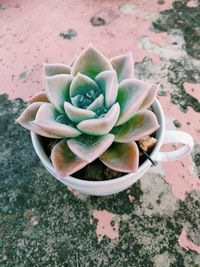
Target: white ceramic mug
{"x": 101, "y": 188}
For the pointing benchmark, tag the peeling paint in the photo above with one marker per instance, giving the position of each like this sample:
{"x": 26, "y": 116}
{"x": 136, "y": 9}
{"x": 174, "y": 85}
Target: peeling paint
{"x": 182, "y": 181}
{"x": 43, "y": 220}
{"x": 186, "y": 243}
{"x": 157, "y": 197}
{"x": 185, "y": 180}
{"x": 173, "y": 113}
{"x": 131, "y": 198}
{"x": 106, "y": 225}
{"x": 193, "y": 89}
{"x": 189, "y": 23}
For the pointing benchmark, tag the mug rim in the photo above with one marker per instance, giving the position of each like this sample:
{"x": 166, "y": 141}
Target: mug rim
{"x": 158, "y": 111}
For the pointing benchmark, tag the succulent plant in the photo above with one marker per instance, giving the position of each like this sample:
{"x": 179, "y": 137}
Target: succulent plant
{"x": 96, "y": 108}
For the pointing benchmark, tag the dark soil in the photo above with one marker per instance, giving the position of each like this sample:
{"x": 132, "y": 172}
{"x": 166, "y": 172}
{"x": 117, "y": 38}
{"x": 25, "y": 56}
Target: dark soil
{"x": 94, "y": 171}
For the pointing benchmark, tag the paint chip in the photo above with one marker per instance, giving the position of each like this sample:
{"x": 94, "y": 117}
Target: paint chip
{"x": 106, "y": 225}
{"x": 186, "y": 243}
{"x": 131, "y": 198}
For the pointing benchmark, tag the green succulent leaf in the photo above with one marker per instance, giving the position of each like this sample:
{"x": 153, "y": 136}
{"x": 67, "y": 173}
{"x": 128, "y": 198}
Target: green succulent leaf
{"x": 57, "y": 89}
{"x": 124, "y": 66}
{"x": 97, "y": 108}
{"x": 91, "y": 62}
{"x": 46, "y": 118}
{"x": 75, "y": 100}
{"x": 131, "y": 95}
{"x": 26, "y": 119}
{"x": 89, "y": 147}
{"x": 55, "y": 69}
{"x": 65, "y": 161}
{"x": 38, "y": 97}
{"x": 121, "y": 157}
{"x": 97, "y": 103}
{"x": 81, "y": 86}
{"x": 103, "y": 125}
{"x": 152, "y": 92}
{"x": 107, "y": 81}
{"x": 78, "y": 114}
{"x": 141, "y": 124}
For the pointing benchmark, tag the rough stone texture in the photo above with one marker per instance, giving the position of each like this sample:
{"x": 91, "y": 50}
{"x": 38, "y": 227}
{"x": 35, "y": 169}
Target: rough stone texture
{"x": 185, "y": 18}
{"x": 42, "y": 222}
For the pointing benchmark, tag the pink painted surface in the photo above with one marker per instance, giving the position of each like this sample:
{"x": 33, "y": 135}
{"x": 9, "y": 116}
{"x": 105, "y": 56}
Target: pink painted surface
{"x": 186, "y": 243}
{"x": 30, "y": 36}
{"x": 183, "y": 180}
{"x": 190, "y": 121}
{"x": 131, "y": 198}
{"x": 192, "y": 3}
{"x": 104, "y": 227}
{"x": 193, "y": 89}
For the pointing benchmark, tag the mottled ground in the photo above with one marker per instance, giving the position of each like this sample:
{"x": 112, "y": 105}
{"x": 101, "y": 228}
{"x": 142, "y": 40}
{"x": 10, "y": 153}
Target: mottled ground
{"x": 156, "y": 222}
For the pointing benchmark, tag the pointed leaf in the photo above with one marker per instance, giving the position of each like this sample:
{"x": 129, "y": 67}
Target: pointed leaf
{"x": 143, "y": 123}
{"x": 152, "y": 92}
{"x": 131, "y": 94}
{"x": 89, "y": 147}
{"x": 121, "y": 157}
{"x": 78, "y": 114}
{"x": 97, "y": 103}
{"x": 28, "y": 116}
{"x": 107, "y": 81}
{"x": 55, "y": 69}
{"x": 57, "y": 89}
{"x": 46, "y": 118}
{"x": 102, "y": 125}
{"x": 38, "y": 97}
{"x": 81, "y": 85}
{"x": 64, "y": 161}
{"x": 91, "y": 62}
{"x": 124, "y": 66}
{"x": 75, "y": 100}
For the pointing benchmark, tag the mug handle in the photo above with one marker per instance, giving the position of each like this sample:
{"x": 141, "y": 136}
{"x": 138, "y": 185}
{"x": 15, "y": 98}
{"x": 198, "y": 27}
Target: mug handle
{"x": 177, "y": 137}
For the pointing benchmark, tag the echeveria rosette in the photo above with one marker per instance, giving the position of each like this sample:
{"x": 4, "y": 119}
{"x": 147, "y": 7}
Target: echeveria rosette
{"x": 96, "y": 108}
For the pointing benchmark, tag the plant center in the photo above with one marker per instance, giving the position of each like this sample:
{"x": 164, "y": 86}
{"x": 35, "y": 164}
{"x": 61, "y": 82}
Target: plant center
{"x": 88, "y": 98}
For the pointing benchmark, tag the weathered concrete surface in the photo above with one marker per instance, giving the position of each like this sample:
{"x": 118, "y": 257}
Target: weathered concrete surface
{"x": 157, "y": 221}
